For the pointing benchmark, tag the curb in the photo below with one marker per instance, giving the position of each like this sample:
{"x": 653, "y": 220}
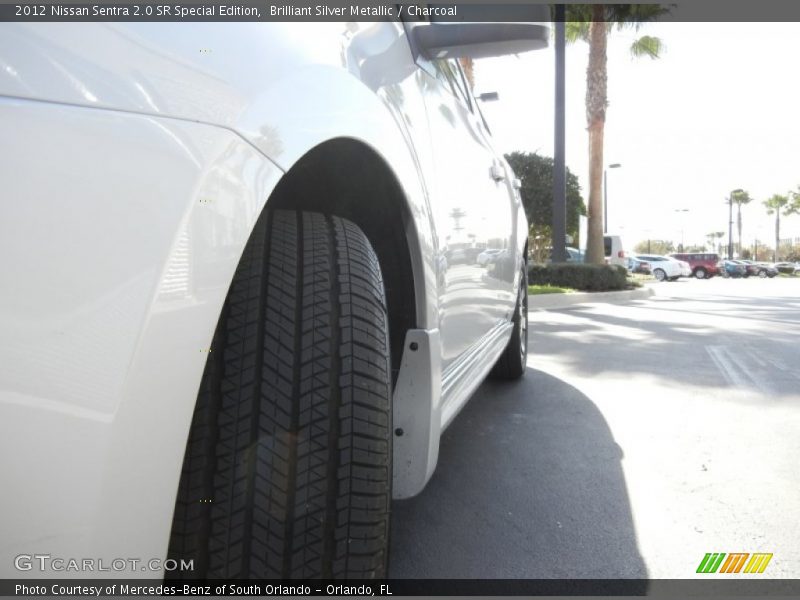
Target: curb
{"x": 544, "y": 301}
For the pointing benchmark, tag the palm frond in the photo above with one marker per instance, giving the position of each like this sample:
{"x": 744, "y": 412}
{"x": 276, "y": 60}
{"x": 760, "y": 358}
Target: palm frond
{"x": 647, "y": 45}
{"x": 777, "y": 202}
{"x": 579, "y": 13}
{"x": 625, "y": 16}
{"x": 740, "y": 197}
{"x": 794, "y": 202}
{"x": 576, "y": 30}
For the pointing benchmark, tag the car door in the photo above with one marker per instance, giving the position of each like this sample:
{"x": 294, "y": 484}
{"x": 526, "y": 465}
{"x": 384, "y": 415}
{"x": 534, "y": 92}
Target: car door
{"x": 472, "y": 203}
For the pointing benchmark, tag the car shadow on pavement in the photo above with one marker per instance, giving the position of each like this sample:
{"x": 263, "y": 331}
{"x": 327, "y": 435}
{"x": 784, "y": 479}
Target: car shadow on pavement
{"x": 529, "y": 485}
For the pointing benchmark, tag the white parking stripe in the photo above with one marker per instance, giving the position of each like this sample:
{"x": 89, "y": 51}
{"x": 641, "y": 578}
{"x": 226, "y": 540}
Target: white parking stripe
{"x": 736, "y": 371}
{"x": 730, "y": 372}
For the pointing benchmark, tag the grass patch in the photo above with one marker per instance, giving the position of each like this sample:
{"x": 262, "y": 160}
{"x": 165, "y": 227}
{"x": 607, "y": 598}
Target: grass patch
{"x": 635, "y": 280}
{"x": 535, "y": 290}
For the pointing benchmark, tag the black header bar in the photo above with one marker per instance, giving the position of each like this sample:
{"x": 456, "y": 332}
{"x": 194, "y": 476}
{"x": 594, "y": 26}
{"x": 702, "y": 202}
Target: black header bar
{"x": 355, "y": 10}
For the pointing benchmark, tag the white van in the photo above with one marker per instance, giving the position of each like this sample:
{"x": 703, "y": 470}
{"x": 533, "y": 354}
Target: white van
{"x": 614, "y": 251}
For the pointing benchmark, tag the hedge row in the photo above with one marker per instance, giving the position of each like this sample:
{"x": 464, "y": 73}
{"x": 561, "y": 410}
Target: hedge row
{"x": 579, "y": 276}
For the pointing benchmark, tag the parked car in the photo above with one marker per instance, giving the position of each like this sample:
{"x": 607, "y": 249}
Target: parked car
{"x": 664, "y": 267}
{"x": 224, "y": 334}
{"x": 768, "y": 270}
{"x": 614, "y": 250}
{"x": 573, "y": 255}
{"x": 488, "y": 256}
{"x": 703, "y": 264}
{"x": 730, "y": 268}
{"x": 762, "y": 270}
{"x": 639, "y": 266}
{"x": 749, "y": 268}
{"x": 787, "y": 267}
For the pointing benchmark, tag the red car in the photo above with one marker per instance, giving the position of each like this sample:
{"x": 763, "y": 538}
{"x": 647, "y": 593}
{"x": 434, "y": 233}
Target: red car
{"x": 704, "y": 265}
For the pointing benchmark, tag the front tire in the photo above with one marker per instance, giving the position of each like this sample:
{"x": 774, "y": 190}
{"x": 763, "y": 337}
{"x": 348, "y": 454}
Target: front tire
{"x": 287, "y": 472}
{"x": 512, "y": 363}
{"x": 659, "y": 274}
{"x": 700, "y": 273}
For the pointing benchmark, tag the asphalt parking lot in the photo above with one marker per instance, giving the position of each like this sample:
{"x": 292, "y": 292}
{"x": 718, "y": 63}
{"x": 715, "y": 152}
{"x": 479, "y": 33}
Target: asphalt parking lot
{"x": 644, "y": 435}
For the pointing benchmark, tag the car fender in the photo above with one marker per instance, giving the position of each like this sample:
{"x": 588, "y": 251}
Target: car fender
{"x": 323, "y": 103}
{"x": 321, "y": 82}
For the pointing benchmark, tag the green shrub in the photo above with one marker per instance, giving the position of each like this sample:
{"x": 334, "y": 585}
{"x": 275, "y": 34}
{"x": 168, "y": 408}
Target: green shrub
{"x": 588, "y": 278}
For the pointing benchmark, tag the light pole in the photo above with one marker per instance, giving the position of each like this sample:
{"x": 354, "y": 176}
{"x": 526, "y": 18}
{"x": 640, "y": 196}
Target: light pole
{"x": 559, "y": 155}
{"x": 684, "y": 211}
{"x": 605, "y": 194}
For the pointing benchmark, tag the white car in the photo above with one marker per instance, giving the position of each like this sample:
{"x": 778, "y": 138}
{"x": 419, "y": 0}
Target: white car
{"x": 666, "y": 268}
{"x": 235, "y": 319}
{"x": 614, "y": 251}
{"x": 686, "y": 268}
{"x": 488, "y": 256}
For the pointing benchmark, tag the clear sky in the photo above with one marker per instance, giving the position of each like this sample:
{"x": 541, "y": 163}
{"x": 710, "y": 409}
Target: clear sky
{"x": 719, "y": 110}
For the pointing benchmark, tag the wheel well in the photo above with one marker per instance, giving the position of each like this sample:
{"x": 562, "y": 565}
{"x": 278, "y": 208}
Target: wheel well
{"x": 343, "y": 177}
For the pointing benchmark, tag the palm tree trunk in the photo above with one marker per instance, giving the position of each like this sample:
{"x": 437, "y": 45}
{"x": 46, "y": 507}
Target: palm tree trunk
{"x": 595, "y": 251}
{"x": 777, "y": 233}
{"x": 739, "y": 227}
{"x": 596, "y": 101}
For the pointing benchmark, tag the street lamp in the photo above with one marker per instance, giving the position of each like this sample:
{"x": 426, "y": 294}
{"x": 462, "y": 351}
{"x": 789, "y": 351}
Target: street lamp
{"x": 682, "y": 210}
{"x": 605, "y": 193}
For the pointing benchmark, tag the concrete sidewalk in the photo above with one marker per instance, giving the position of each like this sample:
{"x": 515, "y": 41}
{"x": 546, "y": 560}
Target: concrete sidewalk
{"x": 545, "y": 301}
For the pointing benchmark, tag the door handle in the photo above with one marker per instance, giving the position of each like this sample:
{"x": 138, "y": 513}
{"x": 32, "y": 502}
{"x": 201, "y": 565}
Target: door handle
{"x": 498, "y": 173}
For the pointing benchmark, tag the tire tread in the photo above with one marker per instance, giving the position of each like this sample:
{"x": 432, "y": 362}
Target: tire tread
{"x": 291, "y": 436}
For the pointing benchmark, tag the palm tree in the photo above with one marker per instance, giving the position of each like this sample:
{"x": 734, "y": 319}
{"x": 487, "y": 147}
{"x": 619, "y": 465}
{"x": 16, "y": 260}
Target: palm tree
{"x": 777, "y": 205}
{"x": 739, "y": 197}
{"x": 592, "y": 24}
{"x": 719, "y": 235}
{"x": 712, "y": 237}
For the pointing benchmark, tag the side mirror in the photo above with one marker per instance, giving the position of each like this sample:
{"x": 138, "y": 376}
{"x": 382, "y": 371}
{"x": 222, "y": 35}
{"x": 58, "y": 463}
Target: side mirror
{"x": 482, "y": 40}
